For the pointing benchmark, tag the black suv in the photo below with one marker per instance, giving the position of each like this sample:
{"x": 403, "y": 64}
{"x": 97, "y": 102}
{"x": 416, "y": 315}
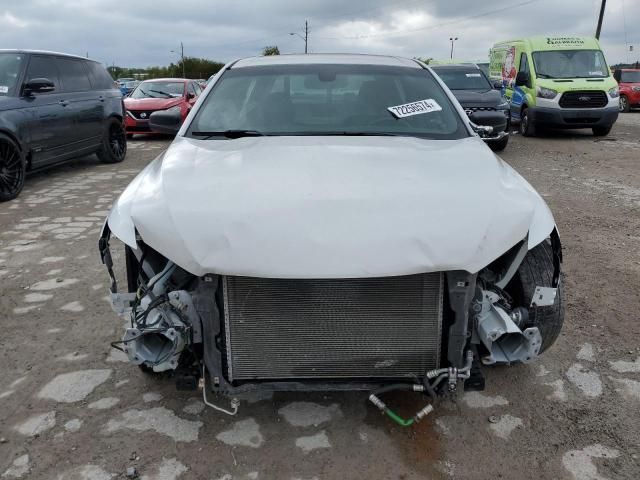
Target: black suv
{"x": 481, "y": 100}
{"x": 54, "y": 107}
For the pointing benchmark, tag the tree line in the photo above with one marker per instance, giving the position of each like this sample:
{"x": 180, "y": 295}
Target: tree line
{"x": 193, "y": 68}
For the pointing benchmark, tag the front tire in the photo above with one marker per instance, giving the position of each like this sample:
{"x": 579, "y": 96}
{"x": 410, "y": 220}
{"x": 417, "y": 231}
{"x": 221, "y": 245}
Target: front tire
{"x": 537, "y": 270}
{"x": 12, "y": 169}
{"x": 498, "y": 145}
{"x": 114, "y": 143}
{"x": 527, "y": 128}
{"x": 624, "y": 104}
{"x": 601, "y": 131}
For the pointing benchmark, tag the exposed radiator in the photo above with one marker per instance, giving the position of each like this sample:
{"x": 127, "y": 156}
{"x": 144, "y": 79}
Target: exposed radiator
{"x": 324, "y": 329}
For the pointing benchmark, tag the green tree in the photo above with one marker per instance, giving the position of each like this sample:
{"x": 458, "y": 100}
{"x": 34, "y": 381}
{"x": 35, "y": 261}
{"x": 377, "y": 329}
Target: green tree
{"x": 271, "y": 50}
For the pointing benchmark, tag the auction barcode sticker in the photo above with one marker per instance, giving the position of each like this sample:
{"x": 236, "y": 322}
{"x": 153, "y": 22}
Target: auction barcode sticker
{"x": 4, "y": 89}
{"x": 415, "y": 108}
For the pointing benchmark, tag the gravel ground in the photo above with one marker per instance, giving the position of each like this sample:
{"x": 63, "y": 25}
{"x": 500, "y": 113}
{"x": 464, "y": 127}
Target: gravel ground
{"x": 70, "y": 408}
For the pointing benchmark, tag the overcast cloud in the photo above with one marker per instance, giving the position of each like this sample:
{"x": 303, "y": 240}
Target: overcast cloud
{"x": 143, "y": 32}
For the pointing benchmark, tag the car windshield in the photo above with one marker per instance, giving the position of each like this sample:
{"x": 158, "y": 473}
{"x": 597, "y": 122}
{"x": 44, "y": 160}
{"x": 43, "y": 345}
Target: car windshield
{"x": 463, "y": 78}
{"x": 10, "y": 66}
{"x": 570, "y": 64}
{"x": 630, "y": 76}
{"x": 159, "y": 90}
{"x": 325, "y": 99}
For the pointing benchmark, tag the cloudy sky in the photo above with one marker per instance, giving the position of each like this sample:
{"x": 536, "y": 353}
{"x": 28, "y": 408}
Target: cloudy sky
{"x": 144, "y": 32}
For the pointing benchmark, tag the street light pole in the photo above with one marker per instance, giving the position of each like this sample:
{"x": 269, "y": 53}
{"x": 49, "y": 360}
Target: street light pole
{"x": 305, "y": 39}
{"x": 184, "y": 75}
{"x": 452, "y": 40}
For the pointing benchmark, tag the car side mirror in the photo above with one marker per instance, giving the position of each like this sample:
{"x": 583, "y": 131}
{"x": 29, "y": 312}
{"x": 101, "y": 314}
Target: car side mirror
{"x": 497, "y": 84}
{"x": 190, "y": 95}
{"x": 522, "y": 78}
{"x": 38, "y": 85}
{"x": 165, "y": 121}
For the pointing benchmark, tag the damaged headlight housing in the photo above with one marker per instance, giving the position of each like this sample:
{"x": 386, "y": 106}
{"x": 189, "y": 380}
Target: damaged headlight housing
{"x": 547, "y": 93}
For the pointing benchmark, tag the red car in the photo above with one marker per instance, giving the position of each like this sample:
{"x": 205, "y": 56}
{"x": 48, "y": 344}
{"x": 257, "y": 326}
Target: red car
{"x": 158, "y": 94}
{"x": 629, "y": 83}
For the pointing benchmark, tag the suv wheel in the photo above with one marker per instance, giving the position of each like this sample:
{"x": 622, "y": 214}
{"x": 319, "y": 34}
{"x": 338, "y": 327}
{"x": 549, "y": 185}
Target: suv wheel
{"x": 624, "y": 104}
{"x": 114, "y": 143}
{"x": 527, "y": 128}
{"x": 12, "y": 169}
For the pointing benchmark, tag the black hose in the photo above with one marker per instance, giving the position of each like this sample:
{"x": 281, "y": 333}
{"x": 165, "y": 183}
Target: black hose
{"x": 394, "y": 386}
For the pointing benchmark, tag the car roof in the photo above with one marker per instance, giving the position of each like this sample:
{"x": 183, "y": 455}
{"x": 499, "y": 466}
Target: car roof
{"x": 46, "y": 52}
{"x": 326, "y": 58}
{"x": 456, "y": 66}
{"x": 168, "y": 80}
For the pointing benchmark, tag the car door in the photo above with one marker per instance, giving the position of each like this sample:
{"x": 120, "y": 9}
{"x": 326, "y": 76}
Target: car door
{"x": 49, "y": 119}
{"x": 85, "y": 101}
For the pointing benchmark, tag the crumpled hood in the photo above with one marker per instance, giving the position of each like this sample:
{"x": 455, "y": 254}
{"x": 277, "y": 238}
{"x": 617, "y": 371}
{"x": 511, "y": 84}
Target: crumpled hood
{"x": 478, "y": 98}
{"x": 329, "y": 207}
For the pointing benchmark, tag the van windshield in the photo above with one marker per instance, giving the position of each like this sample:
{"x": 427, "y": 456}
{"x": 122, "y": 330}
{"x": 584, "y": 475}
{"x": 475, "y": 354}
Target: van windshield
{"x": 10, "y": 66}
{"x": 570, "y": 64}
{"x": 463, "y": 78}
{"x": 327, "y": 99}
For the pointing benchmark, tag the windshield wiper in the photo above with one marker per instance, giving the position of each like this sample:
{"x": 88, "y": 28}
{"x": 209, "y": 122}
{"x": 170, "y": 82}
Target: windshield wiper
{"x": 543, "y": 75}
{"x": 228, "y": 134}
{"x": 168, "y": 95}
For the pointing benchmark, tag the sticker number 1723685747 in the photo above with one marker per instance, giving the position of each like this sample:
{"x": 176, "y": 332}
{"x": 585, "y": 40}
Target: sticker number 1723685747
{"x": 415, "y": 108}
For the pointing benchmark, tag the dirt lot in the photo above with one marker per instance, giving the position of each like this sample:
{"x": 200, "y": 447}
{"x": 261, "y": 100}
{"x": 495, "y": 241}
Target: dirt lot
{"x": 70, "y": 408}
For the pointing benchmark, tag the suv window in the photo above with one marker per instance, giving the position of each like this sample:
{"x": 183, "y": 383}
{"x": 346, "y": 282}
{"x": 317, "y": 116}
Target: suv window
{"x": 73, "y": 75}
{"x": 191, "y": 89}
{"x": 100, "y": 78}
{"x": 43, "y": 66}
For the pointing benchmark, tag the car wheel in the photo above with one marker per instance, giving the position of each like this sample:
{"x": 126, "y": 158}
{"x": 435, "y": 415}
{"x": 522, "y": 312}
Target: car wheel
{"x": 537, "y": 270}
{"x": 601, "y": 131}
{"x": 114, "y": 143}
{"x": 624, "y": 104}
{"x": 527, "y": 128}
{"x": 498, "y": 145}
{"x": 12, "y": 169}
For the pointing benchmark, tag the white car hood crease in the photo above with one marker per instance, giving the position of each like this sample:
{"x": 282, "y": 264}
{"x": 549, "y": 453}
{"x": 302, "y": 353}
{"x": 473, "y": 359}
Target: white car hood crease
{"x": 329, "y": 207}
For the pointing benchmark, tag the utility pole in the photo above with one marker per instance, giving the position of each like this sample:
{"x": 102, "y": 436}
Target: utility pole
{"x": 452, "y": 40}
{"x": 306, "y": 35}
{"x": 182, "y": 60}
{"x": 602, "y": 5}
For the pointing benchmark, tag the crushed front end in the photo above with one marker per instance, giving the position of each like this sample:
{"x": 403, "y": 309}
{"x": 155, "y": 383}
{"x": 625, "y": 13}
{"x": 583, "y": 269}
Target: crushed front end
{"x": 424, "y": 332}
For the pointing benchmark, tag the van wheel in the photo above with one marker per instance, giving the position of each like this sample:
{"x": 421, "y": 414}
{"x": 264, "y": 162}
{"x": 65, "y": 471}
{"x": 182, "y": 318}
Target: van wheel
{"x": 624, "y": 104}
{"x": 601, "y": 131}
{"x": 527, "y": 128}
{"x": 498, "y": 145}
{"x": 12, "y": 169}
{"x": 114, "y": 143}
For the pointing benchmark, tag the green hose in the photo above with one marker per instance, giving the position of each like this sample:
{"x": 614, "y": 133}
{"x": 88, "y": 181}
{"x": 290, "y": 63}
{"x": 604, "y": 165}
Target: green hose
{"x": 398, "y": 419}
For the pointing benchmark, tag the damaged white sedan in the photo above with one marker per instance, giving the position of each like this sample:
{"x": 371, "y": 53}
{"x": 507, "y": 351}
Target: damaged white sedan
{"x": 332, "y": 222}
